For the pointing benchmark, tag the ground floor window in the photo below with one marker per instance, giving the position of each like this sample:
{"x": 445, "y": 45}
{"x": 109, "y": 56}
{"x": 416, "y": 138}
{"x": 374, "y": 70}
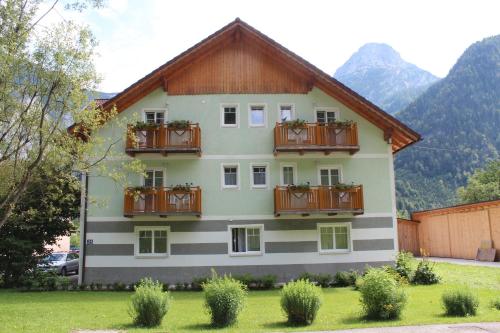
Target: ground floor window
{"x": 334, "y": 237}
{"x": 152, "y": 241}
{"x": 246, "y": 239}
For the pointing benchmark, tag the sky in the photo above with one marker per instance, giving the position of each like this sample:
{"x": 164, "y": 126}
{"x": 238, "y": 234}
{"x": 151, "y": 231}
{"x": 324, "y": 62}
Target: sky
{"x": 137, "y": 36}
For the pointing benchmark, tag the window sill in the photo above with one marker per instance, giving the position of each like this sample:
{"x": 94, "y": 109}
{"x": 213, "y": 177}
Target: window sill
{"x": 245, "y": 254}
{"x": 229, "y": 126}
{"x": 230, "y": 187}
{"x": 334, "y": 251}
{"x": 151, "y": 256}
{"x": 257, "y": 126}
{"x": 260, "y": 187}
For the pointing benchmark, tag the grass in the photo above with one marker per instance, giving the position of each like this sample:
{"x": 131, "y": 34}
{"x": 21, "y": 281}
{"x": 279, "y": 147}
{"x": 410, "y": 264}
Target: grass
{"x": 64, "y": 311}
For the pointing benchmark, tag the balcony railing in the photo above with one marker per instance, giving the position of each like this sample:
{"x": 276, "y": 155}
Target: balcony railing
{"x": 318, "y": 199}
{"x": 316, "y": 137}
{"x": 164, "y": 139}
{"x": 162, "y": 201}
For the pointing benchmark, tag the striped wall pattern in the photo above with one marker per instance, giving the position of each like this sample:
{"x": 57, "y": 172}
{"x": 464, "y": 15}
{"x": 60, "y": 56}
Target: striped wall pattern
{"x": 290, "y": 248}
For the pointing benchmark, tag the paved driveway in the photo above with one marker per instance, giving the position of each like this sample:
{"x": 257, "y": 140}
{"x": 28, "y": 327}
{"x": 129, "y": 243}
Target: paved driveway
{"x": 465, "y": 262}
{"x": 447, "y": 328}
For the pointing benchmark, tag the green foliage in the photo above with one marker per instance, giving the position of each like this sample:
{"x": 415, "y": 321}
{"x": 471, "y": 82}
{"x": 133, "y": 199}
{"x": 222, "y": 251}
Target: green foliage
{"x": 296, "y": 123}
{"x": 224, "y": 299}
{"x": 345, "y": 279}
{"x": 382, "y": 297}
{"x": 323, "y": 280}
{"x": 483, "y": 185}
{"x": 256, "y": 282}
{"x": 179, "y": 124}
{"x": 404, "y": 264}
{"x": 459, "y": 120}
{"x": 37, "y": 280}
{"x": 149, "y": 303}
{"x": 496, "y": 304}
{"x": 197, "y": 283}
{"x": 119, "y": 286}
{"x": 301, "y": 300}
{"x": 460, "y": 302}
{"x": 43, "y": 214}
{"x": 425, "y": 273}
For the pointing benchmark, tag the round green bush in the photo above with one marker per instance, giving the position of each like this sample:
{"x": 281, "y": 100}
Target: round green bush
{"x": 149, "y": 303}
{"x": 460, "y": 302}
{"x": 301, "y": 300}
{"x": 404, "y": 261}
{"x": 382, "y": 296}
{"x": 424, "y": 274}
{"x": 224, "y": 299}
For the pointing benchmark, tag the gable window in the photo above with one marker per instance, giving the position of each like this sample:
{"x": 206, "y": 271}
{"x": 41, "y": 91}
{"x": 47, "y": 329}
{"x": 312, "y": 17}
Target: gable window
{"x": 229, "y": 115}
{"x": 334, "y": 237}
{"x": 325, "y": 116}
{"x": 230, "y": 176}
{"x": 288, "y": 174}
{"x": 257, "y": 115}
{"x": 152, "y": 241}
{"x": 246, "y": 239}
{"x": 154, "y": 116}
{"x": 259, "y": 175}
{"x": 329, "y": 175}
{"x": 153, "y": 178}
{"x": 286, "y": 112}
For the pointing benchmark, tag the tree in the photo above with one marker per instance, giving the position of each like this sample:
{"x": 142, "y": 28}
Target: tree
{"x": 46, "y": 75}
{"x": 43, "y": 213}
{"x": 483, "y": 185}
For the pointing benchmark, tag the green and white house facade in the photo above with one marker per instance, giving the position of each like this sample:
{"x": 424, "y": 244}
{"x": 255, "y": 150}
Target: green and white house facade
{"x": 228, "y": 217}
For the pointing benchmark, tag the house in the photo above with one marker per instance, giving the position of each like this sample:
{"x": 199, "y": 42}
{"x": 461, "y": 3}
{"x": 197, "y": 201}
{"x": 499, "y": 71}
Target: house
{"x": 257, "y": 162}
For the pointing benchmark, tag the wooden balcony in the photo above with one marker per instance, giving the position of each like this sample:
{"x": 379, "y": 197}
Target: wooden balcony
{"x": 318, "y": 199}
{"x": 162, "y": 201}
{"x": 164, "y": 140}
{"x": 313, "y": 137}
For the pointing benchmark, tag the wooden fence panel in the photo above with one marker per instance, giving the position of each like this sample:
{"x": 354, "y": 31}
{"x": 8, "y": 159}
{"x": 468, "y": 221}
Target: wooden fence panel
{"x": 408, "y": 236}
{"x": 434, "y": 236}
{"x": 467, "y": 231}
{"x": 494, "y": 217}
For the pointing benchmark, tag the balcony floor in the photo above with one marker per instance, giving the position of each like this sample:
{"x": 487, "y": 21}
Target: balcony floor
{"x": 164, "y": 151}
{"x": 163, "y": 214}
{"x": 316, "y": 148}
{"x": 306, "y": 212}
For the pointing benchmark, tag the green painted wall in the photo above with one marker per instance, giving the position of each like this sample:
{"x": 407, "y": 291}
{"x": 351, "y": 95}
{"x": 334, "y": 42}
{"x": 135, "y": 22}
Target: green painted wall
{"x": 373, "y": 173}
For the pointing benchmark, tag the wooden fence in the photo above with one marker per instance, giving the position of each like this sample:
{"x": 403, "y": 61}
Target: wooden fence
{"x": 453, "y": 232}
{"x": 408, "y": 236}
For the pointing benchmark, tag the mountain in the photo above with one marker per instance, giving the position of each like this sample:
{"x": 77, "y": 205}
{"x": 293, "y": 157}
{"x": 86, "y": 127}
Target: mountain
{"x": 378, "y": 73}
{"x": 103, "y": 95}
{"x": 459, "y": 119}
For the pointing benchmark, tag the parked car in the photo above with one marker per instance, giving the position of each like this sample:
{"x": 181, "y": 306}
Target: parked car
{"x": 60, "y": 262}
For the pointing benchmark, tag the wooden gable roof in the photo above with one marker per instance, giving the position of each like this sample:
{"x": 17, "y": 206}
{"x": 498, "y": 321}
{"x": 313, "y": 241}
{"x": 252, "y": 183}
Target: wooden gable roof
{"x": 241, "y": 54}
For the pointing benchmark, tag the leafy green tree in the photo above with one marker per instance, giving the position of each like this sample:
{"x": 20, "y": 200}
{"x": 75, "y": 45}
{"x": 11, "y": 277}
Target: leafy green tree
{"x": 43, "y": 213}
{"x": 483, "y": 185}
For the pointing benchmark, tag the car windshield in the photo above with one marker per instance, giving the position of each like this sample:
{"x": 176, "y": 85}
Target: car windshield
{"x": 55, "y": 257}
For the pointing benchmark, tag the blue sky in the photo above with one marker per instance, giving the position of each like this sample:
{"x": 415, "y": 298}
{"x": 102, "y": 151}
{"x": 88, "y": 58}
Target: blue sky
{"x": 137, "y": 36}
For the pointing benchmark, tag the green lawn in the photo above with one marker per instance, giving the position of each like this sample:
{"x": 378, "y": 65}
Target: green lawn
{"x": 63, "y": 311}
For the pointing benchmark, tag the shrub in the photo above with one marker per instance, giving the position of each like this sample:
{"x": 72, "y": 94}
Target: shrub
{"x": 345, "y": 279}
{"x": 324, "y": 280}
{"x": 404, "y": 263}
{"x": 40, "y": 280}
{"x": 460, "y": 302}
{"x": 119, "y": 286}
{"x": 496, "y": 304}
{"x": 246, "y": 279}
{"x": 301, "y": 300}
{"x": 197, "y": 283}
{"x": 267, "y": 281}
{"x": 224, "y": 299}
{"x": 382, "y": 296}
{"x": 425, "y": 273}
{"x": 252, "y": 282}
{"x": 149, "y": 303}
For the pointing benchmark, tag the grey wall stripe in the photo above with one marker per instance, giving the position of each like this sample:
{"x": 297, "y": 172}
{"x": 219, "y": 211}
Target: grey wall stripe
{"x": 199, "y": 248}
{"x": 110, "y": 249}
{"x": 291, "y": 247}
{"x": 373, "y": 244}
{"x": 281, "y": 224}
{"x": 186, "y": 274}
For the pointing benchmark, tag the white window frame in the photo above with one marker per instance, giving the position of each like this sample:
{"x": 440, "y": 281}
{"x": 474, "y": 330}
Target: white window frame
{"x": 327, "y": 109}
{"x": 138, "y": 255}
{"x": 295, "y": 172}
{"x": 222, "y": 178}
{"x": 228, "y": 105}
{"x": 164, "y": 110}
{"x": 252, "y": 184}
{"x": 143, "y": 178}
{"x": 279, "y": 110}
{"x": 247, "y": 253}
{"x": 329, "y": 166}
{"x": 335, "y": 251}
{"x": 250, "y": 124}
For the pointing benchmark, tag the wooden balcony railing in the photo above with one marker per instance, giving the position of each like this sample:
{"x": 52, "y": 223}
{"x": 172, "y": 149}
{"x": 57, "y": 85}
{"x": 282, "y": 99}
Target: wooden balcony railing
{"x": 162, "y": 201}
{"x": 318, "y": 199}
{"x": 163, "y": 139}
{"x": 316, "y": 137}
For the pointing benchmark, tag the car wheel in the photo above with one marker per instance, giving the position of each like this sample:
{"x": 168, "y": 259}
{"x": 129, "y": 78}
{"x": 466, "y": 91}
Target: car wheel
{"x": 76, "y": 271}
{"x": 63, "y": 271}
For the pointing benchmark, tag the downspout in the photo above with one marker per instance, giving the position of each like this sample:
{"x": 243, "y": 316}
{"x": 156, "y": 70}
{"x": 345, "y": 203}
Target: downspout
{"x": 83, "y": 227}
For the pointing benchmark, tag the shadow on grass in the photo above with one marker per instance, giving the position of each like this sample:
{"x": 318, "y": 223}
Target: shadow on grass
{"x": 202, "y": 327}
{"x": 282, "y": 324}
{"x": 356, "y": 319}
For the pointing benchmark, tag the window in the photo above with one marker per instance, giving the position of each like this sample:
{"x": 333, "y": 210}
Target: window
{"x": 258, "y": 175}
{"x": 285, "y": 112}
{"x": 246, "y": 239}
{"x": 288, "y": 174}
{"x": 329, "y": 175}
{"x": 229, "y": 115}
{"x": 152, "y": 241}
{"x": 230, "y": 176}
{"x": 153, "y": 178}
{"x": 257, "y": 115}
{"x": 334, "y": 237}
{"x": 154, "y": 116}
{"x": 326, "y": 115}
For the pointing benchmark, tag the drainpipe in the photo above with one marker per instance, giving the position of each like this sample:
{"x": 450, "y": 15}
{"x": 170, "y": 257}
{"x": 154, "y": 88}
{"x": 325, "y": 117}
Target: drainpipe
{"x": 83, "y": 227}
